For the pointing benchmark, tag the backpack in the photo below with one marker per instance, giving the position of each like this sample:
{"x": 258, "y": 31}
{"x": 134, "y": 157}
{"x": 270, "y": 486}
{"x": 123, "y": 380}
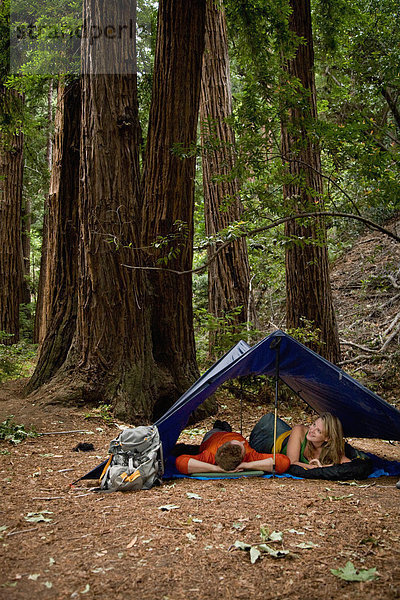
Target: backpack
{"x": 135, "y": 461}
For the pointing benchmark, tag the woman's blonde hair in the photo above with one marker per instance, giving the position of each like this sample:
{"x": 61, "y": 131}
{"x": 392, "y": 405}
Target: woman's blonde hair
{"x": 332, "y": 450}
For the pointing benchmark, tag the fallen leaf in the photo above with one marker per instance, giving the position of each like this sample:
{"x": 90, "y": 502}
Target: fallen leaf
{"x": 132, "y": 542}
{"x": 307, "y": 545}
{"x": 296, "y": 532}
{"x": 350, "y": 573}
{"x": 193, "y": 496}
{"x": 242, "y": 545}
{"x": 272, "y": 552}
{"x": 39, "y": 517}
{"x": 254, "y": 554}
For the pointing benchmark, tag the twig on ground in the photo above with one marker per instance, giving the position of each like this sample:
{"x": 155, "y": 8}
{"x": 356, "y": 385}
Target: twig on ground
{"x": 358, "y": 346}
{"x": 22, "y": 531}
{"x": 64, "y": 432}
{"x": 392, "y": 324}
{"x": 49, "y": 498}
{"x": 390, "y": 338}
{"x": 354, "y": 359}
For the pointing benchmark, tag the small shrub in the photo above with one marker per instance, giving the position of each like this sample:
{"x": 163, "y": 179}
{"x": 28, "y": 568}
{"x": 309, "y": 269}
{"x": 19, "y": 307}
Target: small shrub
{"x": 13, "y": 433}
{"x": 103, "y": 411}
{"x": 15, "y": 360}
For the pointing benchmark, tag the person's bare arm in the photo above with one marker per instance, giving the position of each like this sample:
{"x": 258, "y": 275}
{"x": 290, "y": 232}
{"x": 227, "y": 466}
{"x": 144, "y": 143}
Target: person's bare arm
{"x": 257, "y": 465}
{"x": 198, "y": 466}
{"x": 295, "y": 440}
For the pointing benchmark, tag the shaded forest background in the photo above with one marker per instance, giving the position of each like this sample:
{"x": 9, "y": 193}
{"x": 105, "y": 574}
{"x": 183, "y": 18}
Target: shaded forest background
{"x": 147, "y": 223}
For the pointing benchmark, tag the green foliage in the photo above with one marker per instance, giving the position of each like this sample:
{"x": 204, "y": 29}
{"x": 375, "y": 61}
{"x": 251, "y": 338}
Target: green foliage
{"x": 227, "y": 332}
{"x": 13, "y": 433}
{"x": 350, "y": 573}
{"x": 15, "y": 360}
{"x": 170, "y": 245}
{"x": 256, "y": 551}
{"x": 103, "y": 412}
{"x": 307, "y": 333}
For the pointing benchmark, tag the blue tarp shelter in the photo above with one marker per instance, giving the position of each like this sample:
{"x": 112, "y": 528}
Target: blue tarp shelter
{"x": 322, "y": 385}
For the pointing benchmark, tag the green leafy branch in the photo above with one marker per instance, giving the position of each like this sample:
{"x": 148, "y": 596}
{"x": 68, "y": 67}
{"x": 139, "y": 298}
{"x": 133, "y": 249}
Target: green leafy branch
{"x": 256, "y": 551}
{"x": 13, "y": 433}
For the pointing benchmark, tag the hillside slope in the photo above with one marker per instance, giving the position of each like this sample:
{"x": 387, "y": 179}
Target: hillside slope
{"x": 366, "y": 288}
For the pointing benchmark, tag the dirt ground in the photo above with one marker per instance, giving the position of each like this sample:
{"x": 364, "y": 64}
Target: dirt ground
{"x": 177, "y": 541}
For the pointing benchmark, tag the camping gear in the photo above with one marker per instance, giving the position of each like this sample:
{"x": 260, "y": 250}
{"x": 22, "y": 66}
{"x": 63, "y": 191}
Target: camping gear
{"x": 321, "y": 384}
{"x": 135, "y": 461}
{"x": 269, "y": 433}
{"x": 275, "y": 345}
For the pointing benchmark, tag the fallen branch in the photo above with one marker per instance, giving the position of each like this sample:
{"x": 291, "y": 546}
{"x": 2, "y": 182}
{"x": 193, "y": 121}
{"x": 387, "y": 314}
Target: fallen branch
{"x": 354, "y": 359}
{"x": 392, "y": 324}
{"x": 365, "y": 348}
{"x": 390, "y": 338}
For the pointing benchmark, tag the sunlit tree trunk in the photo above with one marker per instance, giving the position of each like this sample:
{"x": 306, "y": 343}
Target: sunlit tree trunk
{"x": 308, "y": 289}
{"x": 229, "y": 273}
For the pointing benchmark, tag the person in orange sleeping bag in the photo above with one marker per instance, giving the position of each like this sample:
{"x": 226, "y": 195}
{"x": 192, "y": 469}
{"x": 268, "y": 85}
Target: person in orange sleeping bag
{"x": 226, "y": 451}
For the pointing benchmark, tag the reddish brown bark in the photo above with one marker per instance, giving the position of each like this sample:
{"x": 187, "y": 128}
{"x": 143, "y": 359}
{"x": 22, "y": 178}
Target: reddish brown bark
{"x": 59, "y": 292}
{"x": 169, "y": 188}
{"x": 229, "y": 273}
{"x": 11, "y": 260}
{"x": 308, "y": 289}
{"x": 40, "y": 326}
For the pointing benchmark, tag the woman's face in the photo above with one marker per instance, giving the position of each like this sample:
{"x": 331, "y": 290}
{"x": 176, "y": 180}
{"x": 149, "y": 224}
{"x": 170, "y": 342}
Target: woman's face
{"x": 316, "y": 433}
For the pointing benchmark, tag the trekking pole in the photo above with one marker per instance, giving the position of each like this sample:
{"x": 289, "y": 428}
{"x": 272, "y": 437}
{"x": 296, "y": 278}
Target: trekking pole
{"x": 275, "y": 345}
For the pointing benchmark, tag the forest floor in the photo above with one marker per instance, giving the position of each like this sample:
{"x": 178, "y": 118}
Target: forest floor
{"x": 177, "y": 541}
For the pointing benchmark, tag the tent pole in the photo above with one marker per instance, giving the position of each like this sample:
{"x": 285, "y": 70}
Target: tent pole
{"x": 241, "y": 406}
{"x": 275, "y": 345}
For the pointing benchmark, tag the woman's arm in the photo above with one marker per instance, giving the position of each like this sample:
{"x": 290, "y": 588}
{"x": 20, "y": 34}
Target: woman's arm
{"x": 293, "y": 447}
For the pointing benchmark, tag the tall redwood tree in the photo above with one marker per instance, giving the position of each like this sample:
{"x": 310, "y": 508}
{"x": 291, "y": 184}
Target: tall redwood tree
{"x": 308, "y": 289}
{"x": 11, "y": 172}
{"x": 59, "y": 277}
{"x": 124, "y": 350}
{"x": 168, "y": 188}
{"x": 229, "y": 272}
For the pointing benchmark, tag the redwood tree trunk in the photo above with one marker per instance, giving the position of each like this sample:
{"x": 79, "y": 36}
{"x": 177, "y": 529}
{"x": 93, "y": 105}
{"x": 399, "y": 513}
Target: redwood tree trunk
{"x": 110, "y": 358}
{"x": 308, "y": 290}
{"x": 26, "y": 250}
{"x": 41, "y": 315}
{"x": 169, "y": 191}
{"x": 11, "y": 260}
{"x": 229, "y": 273}
{"x": 60, "y": 277}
